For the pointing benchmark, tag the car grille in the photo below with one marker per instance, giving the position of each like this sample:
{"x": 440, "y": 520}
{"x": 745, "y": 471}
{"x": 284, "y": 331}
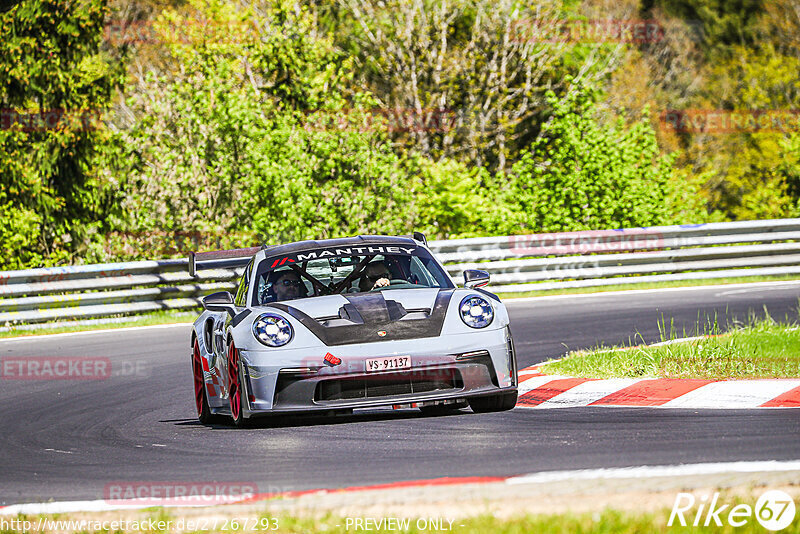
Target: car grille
{"x": 388, "y": 384}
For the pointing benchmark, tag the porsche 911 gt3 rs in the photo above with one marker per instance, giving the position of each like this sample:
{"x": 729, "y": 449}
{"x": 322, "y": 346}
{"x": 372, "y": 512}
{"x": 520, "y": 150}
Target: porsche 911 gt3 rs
{"x": 339, "y": 324}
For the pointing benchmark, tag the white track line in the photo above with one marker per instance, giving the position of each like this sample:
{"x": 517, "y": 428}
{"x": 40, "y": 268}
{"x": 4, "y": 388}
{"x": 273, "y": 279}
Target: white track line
{"x": 532, "y": 478}
{"x": 657, "y": 471}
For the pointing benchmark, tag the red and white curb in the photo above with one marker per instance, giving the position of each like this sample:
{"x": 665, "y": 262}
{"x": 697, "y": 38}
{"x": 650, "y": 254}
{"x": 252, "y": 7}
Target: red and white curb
{"x": 543, "y": 477}
{"x": 537, "y": 390}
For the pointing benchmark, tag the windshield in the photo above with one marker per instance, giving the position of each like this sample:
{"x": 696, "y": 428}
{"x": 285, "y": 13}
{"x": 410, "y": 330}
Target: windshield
{"x": 346, "y": 270}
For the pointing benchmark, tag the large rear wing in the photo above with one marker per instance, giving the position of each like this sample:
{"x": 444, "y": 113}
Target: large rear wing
{"x": 220, "y": 259}
{"x": 419, "y": 236}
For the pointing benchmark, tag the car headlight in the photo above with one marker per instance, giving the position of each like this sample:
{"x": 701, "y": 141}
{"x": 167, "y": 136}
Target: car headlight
{"x": 476, "y": 312}
{"x": 272, "y": 330}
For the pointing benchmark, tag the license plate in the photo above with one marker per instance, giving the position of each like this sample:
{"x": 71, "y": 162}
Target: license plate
{"x": 388, "y": 364}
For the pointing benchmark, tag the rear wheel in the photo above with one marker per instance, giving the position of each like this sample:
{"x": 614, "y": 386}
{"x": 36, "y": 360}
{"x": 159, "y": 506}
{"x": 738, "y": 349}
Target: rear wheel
{"x": 235, "y": 387}
{"x": 493, "y": 403}
{"x": 200, "y": 395}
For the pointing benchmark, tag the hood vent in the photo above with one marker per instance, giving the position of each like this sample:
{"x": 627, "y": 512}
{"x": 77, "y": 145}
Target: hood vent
{"x": 363, "y": 316}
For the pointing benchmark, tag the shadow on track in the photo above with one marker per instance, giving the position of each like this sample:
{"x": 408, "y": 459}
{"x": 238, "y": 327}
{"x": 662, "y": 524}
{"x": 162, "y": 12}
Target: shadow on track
{"x": 290, "y": 421}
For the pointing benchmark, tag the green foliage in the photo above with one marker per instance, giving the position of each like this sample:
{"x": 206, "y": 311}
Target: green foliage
{"x": 265, "y": 122}
{"x": 790, "y": 166}
{"x": 54, "y": 85}
{"x": 244, "y": 138}
{"x": 746, "y": 61}
{"x": 19, "y": 231}
{"x": 476, "y": 61}
{"x": 749, "y": 167}
{"x": 579, "y": 175}
{"x": 450, "y": 199}
{"x": 328, "y": 183}
{"x": 191, "y": 143}
{"x": 724, "y": 22}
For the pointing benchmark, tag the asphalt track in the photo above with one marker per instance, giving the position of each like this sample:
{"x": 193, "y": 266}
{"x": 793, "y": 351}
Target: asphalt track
{"x": 67, "y": 440}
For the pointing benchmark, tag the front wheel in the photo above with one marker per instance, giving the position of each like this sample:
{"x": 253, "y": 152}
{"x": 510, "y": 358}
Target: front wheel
{"x": 493, "y": 403}
{"x": 235, "y": 387}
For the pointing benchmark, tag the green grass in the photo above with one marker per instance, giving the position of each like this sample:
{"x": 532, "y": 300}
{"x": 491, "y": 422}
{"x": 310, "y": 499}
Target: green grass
{"x": 162, "y": 317}
{"x": 607, "y": 521}
{"x": 647, "y": 285}
{"x": 759, "y": 349}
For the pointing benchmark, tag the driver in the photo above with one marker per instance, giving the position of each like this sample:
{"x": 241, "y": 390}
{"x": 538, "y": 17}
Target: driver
{"x": 376, "y": 274}
{"x": 287, "y": 286}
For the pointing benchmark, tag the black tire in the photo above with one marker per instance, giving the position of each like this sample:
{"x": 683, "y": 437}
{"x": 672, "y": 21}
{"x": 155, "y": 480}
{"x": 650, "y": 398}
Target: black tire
{"x": 493, "y": 403}
{"x": 204, "y": 414}
{"x": 443, "y": 409}
{"x": 207, "y": 417}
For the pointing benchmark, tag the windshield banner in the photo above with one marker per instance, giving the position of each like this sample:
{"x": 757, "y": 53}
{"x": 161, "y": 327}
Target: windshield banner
{"x": 339, "y": 252}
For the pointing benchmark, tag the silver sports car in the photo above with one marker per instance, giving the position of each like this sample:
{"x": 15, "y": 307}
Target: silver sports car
{"x": 348, "y": 323}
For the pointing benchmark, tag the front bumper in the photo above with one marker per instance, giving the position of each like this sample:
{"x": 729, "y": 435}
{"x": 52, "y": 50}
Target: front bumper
{"x": 443, "y": 368}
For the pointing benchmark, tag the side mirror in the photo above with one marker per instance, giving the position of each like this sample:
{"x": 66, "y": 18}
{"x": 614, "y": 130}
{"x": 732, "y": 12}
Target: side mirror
{"x": 474, "y": 278}
{"x": 220, "y": 301}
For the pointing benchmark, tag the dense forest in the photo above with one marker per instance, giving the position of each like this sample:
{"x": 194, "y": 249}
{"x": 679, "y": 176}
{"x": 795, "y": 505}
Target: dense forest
{"x": 133, "y": 129}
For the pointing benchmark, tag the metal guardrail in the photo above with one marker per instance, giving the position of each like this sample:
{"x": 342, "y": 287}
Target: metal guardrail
{"x": 517, "y": 264}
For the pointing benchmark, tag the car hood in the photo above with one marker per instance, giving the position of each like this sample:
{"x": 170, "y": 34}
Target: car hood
{"x": 371, "y": 317}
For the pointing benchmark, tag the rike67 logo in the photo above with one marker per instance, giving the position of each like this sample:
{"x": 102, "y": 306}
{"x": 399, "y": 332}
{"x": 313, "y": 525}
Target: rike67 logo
{"x": 774, "y": 510}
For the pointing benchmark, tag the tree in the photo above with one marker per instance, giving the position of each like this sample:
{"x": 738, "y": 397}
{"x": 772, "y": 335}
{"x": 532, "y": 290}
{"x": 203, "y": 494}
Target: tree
{"x": 470, "y": 76}
{"x": 240, "y": 136}
{"x": 55, "y": 84}
{"x": 580, "y": 175}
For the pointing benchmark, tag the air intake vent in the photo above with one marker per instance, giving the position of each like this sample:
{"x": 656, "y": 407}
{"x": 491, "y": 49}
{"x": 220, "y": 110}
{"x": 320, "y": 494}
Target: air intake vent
{"x": 387, "y": 385}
